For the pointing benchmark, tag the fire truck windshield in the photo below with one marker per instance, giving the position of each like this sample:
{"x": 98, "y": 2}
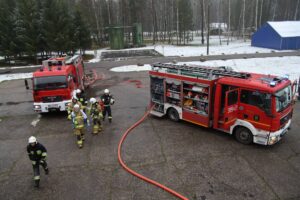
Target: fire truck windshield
{"x": 283, "y": 98}
{"x": 49, "y": 82}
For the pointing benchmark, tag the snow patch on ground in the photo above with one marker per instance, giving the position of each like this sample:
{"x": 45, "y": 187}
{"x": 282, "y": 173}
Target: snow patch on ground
{"x": 36, "y": 121}
{"x": 131, "y": 68}
{"x": 279, "y": 66}
{"x": 196, "y": 49}
{"x": 94, "y": 60}
{"x": 20, "y": 67}
{"x": 7, "y": 77}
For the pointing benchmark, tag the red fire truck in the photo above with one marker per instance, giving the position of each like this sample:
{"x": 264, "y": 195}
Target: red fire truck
{"x": 253, "y": 107}
{"x": 54, "y": 83}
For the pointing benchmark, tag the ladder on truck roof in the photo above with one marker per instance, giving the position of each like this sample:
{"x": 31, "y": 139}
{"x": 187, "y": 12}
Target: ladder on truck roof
{"x": 209, "y": 73}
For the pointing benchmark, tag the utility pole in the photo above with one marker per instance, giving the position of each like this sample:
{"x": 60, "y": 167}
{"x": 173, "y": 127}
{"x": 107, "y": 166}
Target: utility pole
{"x": 208, "y": 28}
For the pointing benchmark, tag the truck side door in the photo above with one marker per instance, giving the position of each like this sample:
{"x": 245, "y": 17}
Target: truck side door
{"x": 254, "y": 107}
{"x": 231, "y": 108}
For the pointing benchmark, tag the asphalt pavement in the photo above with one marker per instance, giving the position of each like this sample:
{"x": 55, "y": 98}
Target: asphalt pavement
{"x": 197, "y": 162}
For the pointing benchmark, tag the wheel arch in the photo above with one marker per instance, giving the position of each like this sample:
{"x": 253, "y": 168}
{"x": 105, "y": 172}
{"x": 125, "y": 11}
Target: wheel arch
{"x": 178, "y": 109}
{"x": 245, "y": 124}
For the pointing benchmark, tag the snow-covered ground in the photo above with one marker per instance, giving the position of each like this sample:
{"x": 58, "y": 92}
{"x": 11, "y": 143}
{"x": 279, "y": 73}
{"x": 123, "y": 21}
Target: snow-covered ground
{"x": 20, "y": 67}
{"x": 7, "y": 77}
{"x": 279, "y": 66}
{"x": 234, "y": 47}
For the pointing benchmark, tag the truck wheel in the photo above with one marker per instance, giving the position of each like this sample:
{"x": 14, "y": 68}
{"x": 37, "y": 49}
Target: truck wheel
{"x": 243, "y": 135}
{"x": 173, "y": 114}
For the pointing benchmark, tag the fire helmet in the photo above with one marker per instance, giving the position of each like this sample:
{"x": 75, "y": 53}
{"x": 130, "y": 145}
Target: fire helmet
{"x": 92, "y": 100}
{"x": 78, "y": 91}
{"x": 106, "y": 91}
{"x": 32, "y": 139}
{"x": 76, "y": 107}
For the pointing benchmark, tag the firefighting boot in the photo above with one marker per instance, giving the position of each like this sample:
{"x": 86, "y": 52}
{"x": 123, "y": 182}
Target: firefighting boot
{"x": 37, "y": 183}
{"x": 109, "y": 119}
{"x": 95, "y": 129}
{"x": 82, "y": 137}
{"x": 47, "y": 171}
{"x": 80, "y": 144}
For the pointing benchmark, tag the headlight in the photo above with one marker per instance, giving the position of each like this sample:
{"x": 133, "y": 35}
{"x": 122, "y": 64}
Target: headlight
{"x": 273, "y": 139}
{"x": 37, "y": 107}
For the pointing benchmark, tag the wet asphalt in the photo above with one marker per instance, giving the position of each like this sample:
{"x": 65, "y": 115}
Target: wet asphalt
{"x": 197, "y": 162}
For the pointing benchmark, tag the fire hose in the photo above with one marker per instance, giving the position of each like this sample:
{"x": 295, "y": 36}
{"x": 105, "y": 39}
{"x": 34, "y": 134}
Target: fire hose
{"x": 131, "y": 171}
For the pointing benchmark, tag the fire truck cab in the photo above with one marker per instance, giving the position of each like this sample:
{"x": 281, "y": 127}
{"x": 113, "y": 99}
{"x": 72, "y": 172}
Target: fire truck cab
{"x": 54, "y": 83}
{"x": 253, "y": 107}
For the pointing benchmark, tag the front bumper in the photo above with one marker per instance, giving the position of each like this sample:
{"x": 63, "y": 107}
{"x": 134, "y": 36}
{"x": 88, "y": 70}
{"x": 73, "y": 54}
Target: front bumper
{"x": 274, "y": 137}
{"x": 47, "y": 107}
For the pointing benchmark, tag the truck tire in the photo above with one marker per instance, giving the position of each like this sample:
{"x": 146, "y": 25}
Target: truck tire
{"x": 243, "y": 135}
{"x": 173, "y": 114}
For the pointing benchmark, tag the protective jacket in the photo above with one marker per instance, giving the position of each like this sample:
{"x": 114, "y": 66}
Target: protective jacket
{"x": 79, "y": 119}
{"x": 37, "y": 152}
{"x": 107, "y": 99}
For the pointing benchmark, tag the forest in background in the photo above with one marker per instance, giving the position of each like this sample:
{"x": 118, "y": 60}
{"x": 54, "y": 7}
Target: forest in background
{"x": 39, "y": 27}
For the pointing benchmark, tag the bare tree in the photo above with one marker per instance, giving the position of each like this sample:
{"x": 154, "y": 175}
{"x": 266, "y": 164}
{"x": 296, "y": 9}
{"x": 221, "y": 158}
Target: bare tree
{"x": 296, "y": 11}
{"x": 243, "y": 26}
{"x": 256, "y": 14}
{"x": 261, "y": 10}
{"x": 274, "y": 10}
{"x": 228, "y": 27}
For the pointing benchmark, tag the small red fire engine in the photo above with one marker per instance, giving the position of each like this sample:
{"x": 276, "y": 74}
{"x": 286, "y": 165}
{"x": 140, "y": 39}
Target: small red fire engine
{"x": 253, "y": 107}
{"x": 54, "y": 83}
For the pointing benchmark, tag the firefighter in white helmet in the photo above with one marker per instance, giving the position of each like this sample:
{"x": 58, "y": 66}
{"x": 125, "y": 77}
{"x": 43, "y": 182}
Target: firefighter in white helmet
{"x": 71, "y": 106}
{"x": 95, "y": 112}
{"x": 79, "y": 119}
{"x": 107, "y": 100}
{"x": 37, "y": 154}
{"x": 81, "y": 98}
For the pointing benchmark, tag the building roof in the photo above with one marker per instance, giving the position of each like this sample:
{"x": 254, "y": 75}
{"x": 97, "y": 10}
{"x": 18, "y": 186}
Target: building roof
{"x": 286, "y": 28}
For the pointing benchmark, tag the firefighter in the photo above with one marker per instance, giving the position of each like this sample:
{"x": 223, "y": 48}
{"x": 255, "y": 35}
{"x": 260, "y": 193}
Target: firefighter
{"x": 81, "y": 98}
{"x": 71, "y": 106}
{"x": 79, "y": 119}
{"x": 37, "y": 154}
{"x": 107, "y": 100}
{"x": 96, "y": 115}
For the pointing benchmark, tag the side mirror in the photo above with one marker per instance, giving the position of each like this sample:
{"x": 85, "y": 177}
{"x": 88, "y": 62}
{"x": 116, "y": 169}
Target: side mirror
{"x": 26, "y": 84}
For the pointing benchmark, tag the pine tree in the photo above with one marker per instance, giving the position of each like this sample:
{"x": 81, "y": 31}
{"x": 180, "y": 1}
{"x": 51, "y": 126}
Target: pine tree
{"x": 27, "y": 26}
{"x": 185, "y": 18}
{"x": 8, "y": 41}
{"x": 82, "y": 35}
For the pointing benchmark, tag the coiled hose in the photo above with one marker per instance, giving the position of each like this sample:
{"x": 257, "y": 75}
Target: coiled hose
{"x": 176, "y": 194}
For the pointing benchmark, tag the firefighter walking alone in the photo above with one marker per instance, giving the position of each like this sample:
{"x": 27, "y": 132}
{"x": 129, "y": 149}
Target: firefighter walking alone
{"x": 107, "y": 100}
{"x": 37, "y": 154}
{"x": 79, "y": 119}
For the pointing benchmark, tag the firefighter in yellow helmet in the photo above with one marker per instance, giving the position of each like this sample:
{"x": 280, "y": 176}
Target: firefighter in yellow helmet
{"x": 96, "y": 115}
{"x": 71, "y": 106}
{"x": 79, "y": 119}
